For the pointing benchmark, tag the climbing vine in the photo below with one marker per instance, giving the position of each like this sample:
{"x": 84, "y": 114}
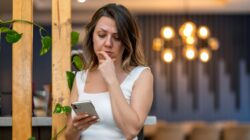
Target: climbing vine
{"x": 11, "y": 36}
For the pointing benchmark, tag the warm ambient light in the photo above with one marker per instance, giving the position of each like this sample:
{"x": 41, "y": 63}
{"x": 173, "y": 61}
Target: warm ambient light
{"x": 157, "y": 44}
{"x": 167, "y": 32}
{"x": 81, "y": 1}
{"x": 203, "y": 32}
{"x": 190, "y": 40}
{"x": 204, "y": 55}
{"x": 168, "y": 55}
{"x": 190, "y": 52}
{"x": 187, "y": 29}
{"x": 213, "y": 43}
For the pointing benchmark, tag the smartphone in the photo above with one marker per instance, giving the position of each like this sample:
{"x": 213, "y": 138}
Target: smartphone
{"x": 84, "y": 106}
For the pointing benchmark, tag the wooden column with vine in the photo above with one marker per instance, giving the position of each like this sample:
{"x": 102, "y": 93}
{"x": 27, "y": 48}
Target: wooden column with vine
{"x": 61, "y": 59}
{"x": 22, "y": 54}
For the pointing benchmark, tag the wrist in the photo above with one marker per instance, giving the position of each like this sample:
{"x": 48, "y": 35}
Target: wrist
{"x": 72, "y": 136}
{"x": 72, "y": 132}
{"x": 113, "y": 82}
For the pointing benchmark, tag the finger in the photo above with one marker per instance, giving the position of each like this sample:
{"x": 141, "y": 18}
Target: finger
{"x": 80, "y": 117}
{"x": 88, "y": 124}
{"x": 82, "y": 121}
{"x": 104, "y": 54}
{"x": 88, "y": 119}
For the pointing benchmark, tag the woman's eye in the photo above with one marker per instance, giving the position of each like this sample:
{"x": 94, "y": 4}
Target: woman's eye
{"x": 116, "y": 38}
{"x": 101, "y": 35}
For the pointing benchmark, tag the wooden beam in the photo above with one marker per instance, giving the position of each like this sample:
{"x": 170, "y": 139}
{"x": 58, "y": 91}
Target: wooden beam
{"x": 22, "y": 54}
{"x": 61, "y": 57}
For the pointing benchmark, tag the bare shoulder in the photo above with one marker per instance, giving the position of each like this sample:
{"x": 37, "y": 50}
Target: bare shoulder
{"x": 146, "y": 73}
{"x": 146, "y": 76}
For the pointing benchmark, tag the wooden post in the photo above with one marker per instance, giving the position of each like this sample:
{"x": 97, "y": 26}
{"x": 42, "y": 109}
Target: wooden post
{"x": 22, "y": 54}
{"x": 61, "y": 59}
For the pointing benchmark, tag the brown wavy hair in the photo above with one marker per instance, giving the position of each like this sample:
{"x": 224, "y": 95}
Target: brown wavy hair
{"x": 128, "y": 32}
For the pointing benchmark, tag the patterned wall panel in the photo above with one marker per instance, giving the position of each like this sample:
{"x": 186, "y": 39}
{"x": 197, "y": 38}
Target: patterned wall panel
{"x": 189, "y": 87}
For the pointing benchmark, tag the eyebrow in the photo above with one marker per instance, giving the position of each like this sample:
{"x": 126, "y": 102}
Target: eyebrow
{"x": 106, "y": 30}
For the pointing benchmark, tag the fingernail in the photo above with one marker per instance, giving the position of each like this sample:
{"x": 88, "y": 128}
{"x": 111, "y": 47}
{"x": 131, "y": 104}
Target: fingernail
{"x": 86, "y": 115}
{"x": 94, "y": 117}
{"x": 74, "y": 124}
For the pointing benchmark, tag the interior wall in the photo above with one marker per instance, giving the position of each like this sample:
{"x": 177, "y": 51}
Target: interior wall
{"x": 218, "y": 90}
{"x": 191, "y": 90}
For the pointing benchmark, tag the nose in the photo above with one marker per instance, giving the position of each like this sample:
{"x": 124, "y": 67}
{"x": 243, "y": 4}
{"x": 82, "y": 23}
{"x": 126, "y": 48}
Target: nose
{"x": 108, "y": 42}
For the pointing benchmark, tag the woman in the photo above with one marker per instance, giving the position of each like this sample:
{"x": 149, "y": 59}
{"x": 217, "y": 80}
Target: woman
{"x": 115, "y": 80}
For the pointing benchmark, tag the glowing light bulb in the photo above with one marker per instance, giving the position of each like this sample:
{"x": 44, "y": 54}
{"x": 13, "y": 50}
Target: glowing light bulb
{"x": 187, "y": 32}
{"x": 168, "y": 55}
{"x": 157, "y": 44}
{"x": 203, "y": 32}
{"x": 213, "y": 44}
{"x": 168, "y": 32}
{"x": 190, "y": 40}
{"x": 190, "y": 52}
{"x": 205, "y": 55}
{"x": 187, "y": 29}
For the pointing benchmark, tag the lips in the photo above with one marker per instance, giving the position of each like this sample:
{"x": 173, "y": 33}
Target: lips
{"x": 109, "y": 53}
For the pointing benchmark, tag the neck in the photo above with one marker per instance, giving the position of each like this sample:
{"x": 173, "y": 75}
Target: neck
{"x": 118, "y": 67}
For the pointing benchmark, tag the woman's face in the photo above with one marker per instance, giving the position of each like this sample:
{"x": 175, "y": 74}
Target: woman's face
{"x": 105, "y": 38}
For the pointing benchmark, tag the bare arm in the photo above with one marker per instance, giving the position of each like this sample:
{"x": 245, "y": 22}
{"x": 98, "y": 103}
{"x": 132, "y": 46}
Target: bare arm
{"x": 80, "y": 122}
{"x": 130, "y": 117}
{"x": 71, "y": 132}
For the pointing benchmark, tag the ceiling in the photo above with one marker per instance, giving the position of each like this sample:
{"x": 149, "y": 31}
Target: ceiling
{"x": 81, "y": 12}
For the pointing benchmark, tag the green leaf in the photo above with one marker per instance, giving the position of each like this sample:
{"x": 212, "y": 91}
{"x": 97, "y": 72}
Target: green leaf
{"x": 12, "y": 36}
{"x": 66, "y": 109}
{"x": 58, "y": 108}
{"x": 74, "y": 38}
{"x": 32, "y": 138}
{"x": 78, "y": 63}
{"x": 4, "y": 29}
{"x": 70, "y": 79}
{"x": 46, "y": 44}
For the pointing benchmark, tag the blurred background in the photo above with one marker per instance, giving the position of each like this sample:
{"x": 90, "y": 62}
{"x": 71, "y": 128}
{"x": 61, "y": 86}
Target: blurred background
{"x": 197, "y": 50}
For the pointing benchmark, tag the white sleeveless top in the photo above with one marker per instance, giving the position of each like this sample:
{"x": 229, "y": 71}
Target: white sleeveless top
{"x": 106, "y": 128}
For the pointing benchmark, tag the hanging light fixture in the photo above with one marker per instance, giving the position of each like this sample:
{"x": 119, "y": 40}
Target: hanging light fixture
{"x": 195, "y": 42}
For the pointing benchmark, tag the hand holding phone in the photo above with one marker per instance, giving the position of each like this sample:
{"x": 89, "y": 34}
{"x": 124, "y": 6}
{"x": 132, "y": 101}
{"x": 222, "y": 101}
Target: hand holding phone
{"x": 84, "y": 106}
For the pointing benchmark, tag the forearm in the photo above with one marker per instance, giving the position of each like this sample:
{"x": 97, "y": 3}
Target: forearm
{"x": 124, "y": 115}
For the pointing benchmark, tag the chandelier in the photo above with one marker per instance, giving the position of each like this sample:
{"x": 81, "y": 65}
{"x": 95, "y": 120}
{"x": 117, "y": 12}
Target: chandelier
{"x": 194, "y": 42}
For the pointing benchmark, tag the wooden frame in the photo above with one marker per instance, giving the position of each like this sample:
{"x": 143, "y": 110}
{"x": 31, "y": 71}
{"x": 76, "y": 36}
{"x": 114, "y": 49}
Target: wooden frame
{"x": 22, "y": 59}
{"x": 61, "y": 58}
